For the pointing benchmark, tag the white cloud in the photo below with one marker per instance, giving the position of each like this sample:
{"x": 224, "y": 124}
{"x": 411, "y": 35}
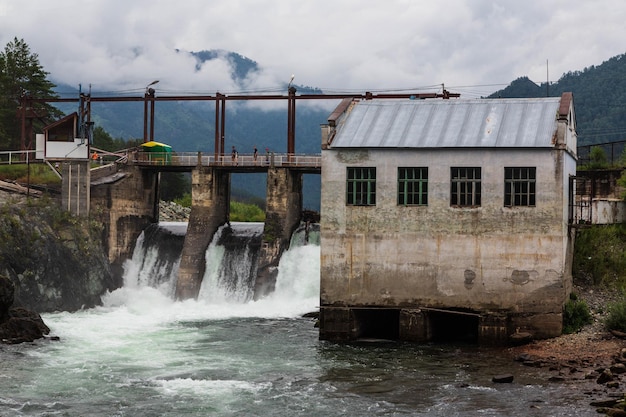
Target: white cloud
{"x": 339, "y": 44}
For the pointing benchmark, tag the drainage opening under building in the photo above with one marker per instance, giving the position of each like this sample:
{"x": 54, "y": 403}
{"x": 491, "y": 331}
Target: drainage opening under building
{"x": 377, "y": 323}
{"x": 450, "y": 326}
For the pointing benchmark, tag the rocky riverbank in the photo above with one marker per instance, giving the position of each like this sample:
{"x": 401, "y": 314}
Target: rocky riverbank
{"x": 172, "y": 212}
{"x": 56, "y": 261}
{"x": 592, "y": 359}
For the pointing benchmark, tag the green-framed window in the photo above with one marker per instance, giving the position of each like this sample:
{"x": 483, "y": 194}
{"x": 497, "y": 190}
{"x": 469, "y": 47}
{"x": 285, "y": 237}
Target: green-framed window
{"x": 519, "y": 186}
{"x": 412, "y": 186}
{"x": 361, "y": 186}
{"x": 465, "y": 186}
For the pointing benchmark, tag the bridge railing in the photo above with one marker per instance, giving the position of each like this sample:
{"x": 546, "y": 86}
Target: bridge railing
{"x": 16, "y": 157}
{"x": 242, "y": 160}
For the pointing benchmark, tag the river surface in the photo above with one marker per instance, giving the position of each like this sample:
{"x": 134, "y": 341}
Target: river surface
{"x": 142, "y": 354}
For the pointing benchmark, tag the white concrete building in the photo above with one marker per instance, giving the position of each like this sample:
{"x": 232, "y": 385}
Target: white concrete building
{"x": 446, "y": 219}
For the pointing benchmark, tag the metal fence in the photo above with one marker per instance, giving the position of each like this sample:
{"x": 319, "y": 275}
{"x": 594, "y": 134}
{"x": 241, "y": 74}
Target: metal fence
{"x": 613, "y": 152}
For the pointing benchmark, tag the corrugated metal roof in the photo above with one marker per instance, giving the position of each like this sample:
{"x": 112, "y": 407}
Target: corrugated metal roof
{"x": 499, "y": 123}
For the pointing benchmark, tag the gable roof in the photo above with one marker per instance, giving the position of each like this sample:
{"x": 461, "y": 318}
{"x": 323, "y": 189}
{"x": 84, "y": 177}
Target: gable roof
{"x": 472, "y": 123}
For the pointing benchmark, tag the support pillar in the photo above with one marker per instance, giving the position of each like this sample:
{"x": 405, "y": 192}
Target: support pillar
{"x": 493, "y": 329}
{"x": 210, "y": 189}
{"x": 282, "y": 217}
{"x": 415, "y": 326}
{"x": 337, "y": 324}
{"x": 75, "y": 187}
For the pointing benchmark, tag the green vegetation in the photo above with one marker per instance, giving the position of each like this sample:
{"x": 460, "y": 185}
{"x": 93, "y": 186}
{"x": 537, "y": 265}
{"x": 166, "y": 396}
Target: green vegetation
{"x": 184, "y": 200}
{"x": 239, "y": 212}
{"x": 599, "y": 256}
{"x": 616, "y": 319}
{"x": 599, "y": 98}
{"x": 576, "y": 314}
{"x": 40, "y": 174}
{"x": 21, "y": 76}
{"x": 101, "y": 139}
{"x": 600, "y": 261}
{"x": 598, "y": 159}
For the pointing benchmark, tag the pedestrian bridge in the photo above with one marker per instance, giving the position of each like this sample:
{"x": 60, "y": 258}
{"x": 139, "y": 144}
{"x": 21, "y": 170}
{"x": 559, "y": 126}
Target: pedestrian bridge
{"x": 186, "y": 161}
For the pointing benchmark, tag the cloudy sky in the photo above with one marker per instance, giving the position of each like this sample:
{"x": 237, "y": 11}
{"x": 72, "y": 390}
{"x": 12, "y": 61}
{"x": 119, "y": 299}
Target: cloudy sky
{"x": 474, "y": 47}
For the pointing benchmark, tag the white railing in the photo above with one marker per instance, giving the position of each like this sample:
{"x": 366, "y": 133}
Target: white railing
{"x": 242, "y": 160}
{"x": 17, "y": 157}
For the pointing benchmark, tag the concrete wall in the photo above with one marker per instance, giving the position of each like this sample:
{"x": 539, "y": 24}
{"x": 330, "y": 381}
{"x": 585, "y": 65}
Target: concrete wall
{"x": 490, "y": 258}
{"x": 125, "y": 203}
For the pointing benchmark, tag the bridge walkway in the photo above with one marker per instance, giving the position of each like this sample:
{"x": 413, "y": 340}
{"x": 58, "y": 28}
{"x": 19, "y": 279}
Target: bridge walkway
{"x": 186, "y": 161}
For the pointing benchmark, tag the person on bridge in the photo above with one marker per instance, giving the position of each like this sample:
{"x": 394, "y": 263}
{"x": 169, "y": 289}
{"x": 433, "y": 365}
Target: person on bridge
{"x": 256, "y": 152}
{"x": 234, "y": 155}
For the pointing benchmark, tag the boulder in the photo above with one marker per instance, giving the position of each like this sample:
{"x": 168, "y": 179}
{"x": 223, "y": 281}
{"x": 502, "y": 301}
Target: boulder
{"x": 17, "y": 325}
{"x": 502, "y": 379}
{"x": 605, "y": 376}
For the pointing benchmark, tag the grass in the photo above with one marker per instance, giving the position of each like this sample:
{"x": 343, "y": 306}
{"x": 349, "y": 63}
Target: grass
{"x": 600, "y": 256}
{"x": 40, "y": 174}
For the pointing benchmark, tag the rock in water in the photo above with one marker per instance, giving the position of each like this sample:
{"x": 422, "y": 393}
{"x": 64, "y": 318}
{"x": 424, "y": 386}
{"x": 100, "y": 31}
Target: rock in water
{"x": 17, "y": 325}
{"x": 502, "y": 379}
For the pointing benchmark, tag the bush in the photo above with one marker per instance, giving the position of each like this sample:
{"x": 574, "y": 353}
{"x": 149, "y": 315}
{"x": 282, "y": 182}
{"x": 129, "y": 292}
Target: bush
{"x": 240, "y": 212}
{"x": 616, "y": 319}
{"x": 575, "y": 315}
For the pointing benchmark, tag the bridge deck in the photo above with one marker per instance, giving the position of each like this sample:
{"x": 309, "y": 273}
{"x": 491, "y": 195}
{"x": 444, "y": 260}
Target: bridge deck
{"x": 186, "y": 161}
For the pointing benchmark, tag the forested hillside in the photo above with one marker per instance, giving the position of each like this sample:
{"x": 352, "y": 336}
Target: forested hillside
{"x": 599, "y": 98}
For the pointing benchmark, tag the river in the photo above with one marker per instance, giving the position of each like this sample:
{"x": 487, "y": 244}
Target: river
{"x": 143, "y": 354}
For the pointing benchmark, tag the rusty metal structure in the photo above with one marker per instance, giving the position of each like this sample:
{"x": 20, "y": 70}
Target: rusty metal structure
{"x": 150, "y": 98}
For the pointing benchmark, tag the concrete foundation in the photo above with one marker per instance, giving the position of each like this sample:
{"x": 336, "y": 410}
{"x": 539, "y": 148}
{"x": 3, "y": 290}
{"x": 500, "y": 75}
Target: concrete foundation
{"x": 342, "y": 324}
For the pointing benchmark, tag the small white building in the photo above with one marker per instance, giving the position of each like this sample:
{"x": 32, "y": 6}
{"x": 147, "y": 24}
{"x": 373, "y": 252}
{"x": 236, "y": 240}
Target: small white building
{"x": 447, "y": 219}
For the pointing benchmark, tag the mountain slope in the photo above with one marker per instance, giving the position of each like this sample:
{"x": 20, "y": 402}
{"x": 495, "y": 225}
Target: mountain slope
{"x": 599, "y": 98}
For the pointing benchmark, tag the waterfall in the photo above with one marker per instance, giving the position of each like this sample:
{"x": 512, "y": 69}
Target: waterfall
{"x": 156, "y": 258}
{"x": 231, "y": 262}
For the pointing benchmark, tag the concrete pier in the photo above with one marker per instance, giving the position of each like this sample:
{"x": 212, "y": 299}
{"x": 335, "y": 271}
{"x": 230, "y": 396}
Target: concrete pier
{"x": 210, "y": 198}
{"x": 282, "y": 217}
{"x": 125, "y": 202}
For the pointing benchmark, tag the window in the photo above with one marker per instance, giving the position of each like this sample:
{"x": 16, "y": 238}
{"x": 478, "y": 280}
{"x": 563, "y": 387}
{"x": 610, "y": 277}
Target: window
{"x": 465, "y": 187}
{"x": 361, "y": 187}
{"x": 519, "y": 186}
{"x": 412, "y": 186}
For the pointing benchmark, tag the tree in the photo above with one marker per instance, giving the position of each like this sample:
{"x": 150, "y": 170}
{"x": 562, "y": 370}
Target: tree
{"x": 102, "y": 139}
{"x": 22, "y": 78}
{"x": 598, "y": 158}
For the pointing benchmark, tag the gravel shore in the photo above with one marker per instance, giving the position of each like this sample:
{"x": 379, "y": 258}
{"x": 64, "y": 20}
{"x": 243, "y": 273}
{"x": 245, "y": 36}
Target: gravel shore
{"x": 592, "y": 359}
